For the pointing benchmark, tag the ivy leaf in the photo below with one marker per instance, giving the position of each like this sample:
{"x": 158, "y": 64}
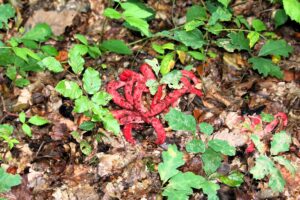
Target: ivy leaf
{"x": 81, "y": 38}
{"x": 222, "y": 146}
{"x": 276, "y": 48}
{"x": 152, "y": 85}
{"x": 52, "y": 64}
{"x": 38, "y": 121}
{"x": 206, "y": 128}
{"x": 266, "y": 67}
{"x": 263, "y": 166}
{"x": 154, "y": 65}
{"x": 253, "y": 37}
{"x": 224, "y": 2}
{"x": 280, "y": 143}
{"x": 258, "y": 144}
{"x": 167, "y": 63}
{"x": 101, "y": 98}
{"x": 82, "y": 104}
{"x": 196, "y": 12}
{"x": 112, "y": 13}
{"x": 172, "y": 79}
{"x": 193, "y": 39}
{"x": 258, "y": 25}
{"x": 286, "y": 163}
{"x": 211, "y": 161}
{"x": 8, "y": 180}
{"x": 221, "y": 14}
{"x": 6, "y": 12}
{"x": 40, "y": 33}
{"x": 280, "y": 18}
{"x": 27, "y": 129}
{"x": 180, "y": 122}
{"x": 68, "y": 89}
{"x": 116, "y": 46}
{"x": 292, "y": 9}
{"x": 234, "y": 179}
{"x": 195, "y": 146}
{"x": 172, "y": 159}
{"x": 276, "y": 181}
{"x": 91, "y": 80}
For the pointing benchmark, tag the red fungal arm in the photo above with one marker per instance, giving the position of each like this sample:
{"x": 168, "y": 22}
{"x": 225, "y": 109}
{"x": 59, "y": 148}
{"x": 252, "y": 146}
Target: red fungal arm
{"x": 250, "y": 148}
{"x": 283, "y": 118}
{"x": 191, "y": 76}
{"x": 128, "y": 74}
{"x": 117, "y": 98}
{"x": 159, "y": 129}
{"x": 157, "y": 96}
{"x": 127, "y": 133}
{"x": 147, "y": 72}
{"x": 137, "y": 97}
{"x": 131, "y": 120}
{"x": 128, "y": 91}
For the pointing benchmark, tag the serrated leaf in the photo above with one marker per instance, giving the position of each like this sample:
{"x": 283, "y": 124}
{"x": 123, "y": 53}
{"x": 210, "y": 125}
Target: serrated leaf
{"x": 195, "y": 146}
{"x": 276, "y": 48}
{"x": 234, "y": 179}
{"x": 280, "y": 18}
{"x": 68, "y": 89}
{"x": 186, "y": 181}
{"x": 116, "y": 46}
{"x": 215, "y": 29}
{"x": 222, "y": 146}
{"x": 221, "y": 14}
{"x": 258, "y": 144}
{"x": 276, "y": 181}
{"x": 239, "y": 41}
{"x": 101, "y": 98}
{"x": 210, "y": 189}
{"x": 154, "y": 65}
{"x": 6, "y": 12}
{"x": 91, "y": 80}
{"x": 40, "y": 33}
{"x": 7, "y": 181}
{"x": 292, "y": 9}
{"x": 27, "y": 130}
{"x": 286, "y": 163}
{"x": 172, "y": 79}
{"x": 206, "y": 128}
{"x": 258, "y": 25}
{"x": 85, "y": 148}
{"x": 52, "y": 64}
{"x": 193, "y": 39}
{"x": 172, "y": 159}
{"x": 263, "y": 166}
{"x": 173, "y": 194}
{"x": 22, "y": 117}
{"x": 82, "y": 104}
{"x": 266, "y": 67}
{"x": 112, "y": 13}
{"x": 87, "y": 126}
{"x": 280, "y": 143}
{"x": 196, "y": 12}
{"x": 180, "y": 122}
{"x": 81, "y": 38}
{"x": 152, "y": 85}
{"x": 211, "y": 161}
{"x": 253, "y": 37}
{"x": 38, "y": 121}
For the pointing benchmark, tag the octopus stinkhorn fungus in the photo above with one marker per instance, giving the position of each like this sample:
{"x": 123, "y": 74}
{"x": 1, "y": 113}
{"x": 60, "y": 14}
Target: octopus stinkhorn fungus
{"x": 134, "y": 112}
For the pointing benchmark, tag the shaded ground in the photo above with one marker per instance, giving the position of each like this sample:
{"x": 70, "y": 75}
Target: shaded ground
{"x": 51, "y": 163}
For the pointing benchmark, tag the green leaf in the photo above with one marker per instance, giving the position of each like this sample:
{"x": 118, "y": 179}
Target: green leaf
{"x": 276, "y": 48}
{"x": 94, "y": 51}
{"x": 111, "y": 124}
{"x": 239, "y": 41}
{"x": 280, "y": 18}
{"x": 75, "y": 57}
{"x": 140, "y": 24}
{"x": 101, "y": 98}
{"x": 21, "y": 82}
{"x": 52, "y": 64}
{"x": 157, "y": 48}
{"x": 68, "y": 89}
{"x": 6, "y": 12}
{"x": 172, "y": 159}
{"x": 197, "y": 55}
{"x": 263, "y": 166}
{"x": 206, "y": 128}
{"x": 193, "y": 39}
{"x": 40, "y": 33}
{"x": 226, "y": 44}
{"x": 265, "y": 117}
{"x": 215, "y": 29}
{"x": 87, "y": 126}
{"x": 191, "y": 25}
{"x": 50, "y": 50}
{"x": 167, "y": 63}
{"x": 211, "y": 161}
{"x": 292, "y": 9}
{"x": 195, "y": 146}
{"x": 222, "y": 146}
{"x": 11, "y": 72}
{"x": 224, "y": 2}
{"x": 258, "y": 25}
{"x": 196, "y": 12}
{"x": 221, "y": 14}
{"x": 286, "y": 163}
{"x": 7, "y": 181}
{"x": 133, "y": 10}
{"x": 82, "y": 104}
{"x": 27, "y": 130}
{"x": 116, "y": 46}
{"x": 172, "y": 79}
{"x": 81, "y": 38}
{"x": 276, "y": 181}
{"x": 154, "y": 65}
{"x": 30, "y": 44}
{"x": 6, "y": 130}
{"x": 258, "y": 144}
{"x": 112, "y": 13}
{"x": 173, "y": 194}
{"x": 235, "y": 179}
{"x": 241, "y": 20}
{"x": 280, "y": 143}
{"x": 91, "y": 80}
{"x": 22, "y": 117}
{"x": 180, "y": 122}
{"x": 24, "y": 52}
{"x": 210, "y": 189}
{"x": 253, "y": 37}
{"x": 85, "y": 148}
{"x": 186, "y": 181}
{"x": 266, "y": 67}
{"x": 38, "y": 121}
{"x": 152, "y": 85}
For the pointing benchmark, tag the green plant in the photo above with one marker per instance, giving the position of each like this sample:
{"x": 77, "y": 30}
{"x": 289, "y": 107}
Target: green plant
{"x": 8, "y": 180}
{"x": 35, "y": 120}
{"x": 5, "y": 135}
{"x": 6, "y": 12}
